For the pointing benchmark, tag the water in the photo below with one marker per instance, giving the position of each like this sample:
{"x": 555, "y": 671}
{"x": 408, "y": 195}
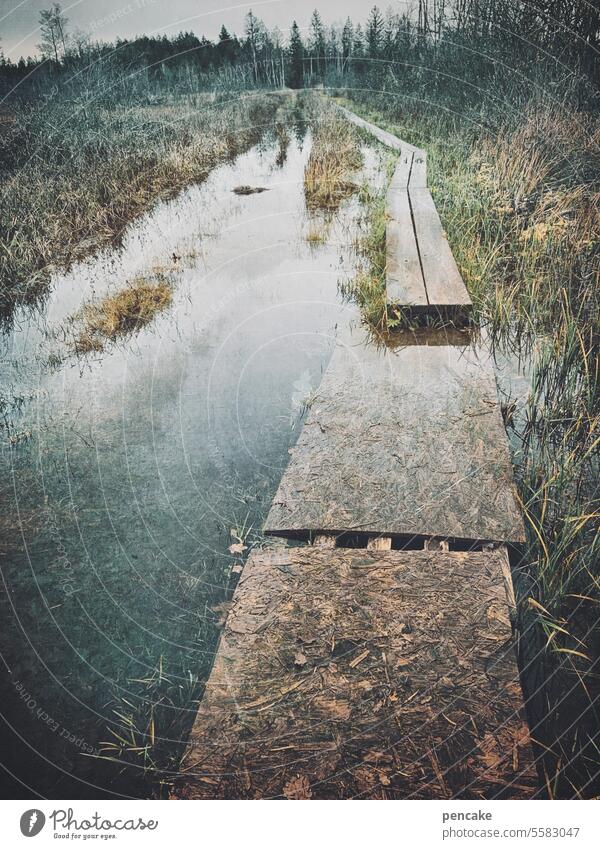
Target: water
{"x": 127, "y": 475}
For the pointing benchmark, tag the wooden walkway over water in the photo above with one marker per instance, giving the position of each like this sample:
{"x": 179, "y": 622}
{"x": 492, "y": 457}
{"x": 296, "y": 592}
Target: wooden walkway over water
{"x": 359, "y": 665}
{"x": 422, "y": 277}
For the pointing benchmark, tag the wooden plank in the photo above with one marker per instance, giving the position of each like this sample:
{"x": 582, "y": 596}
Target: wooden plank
{"x": 443, "y": 282}
{"x": 402, "y": 442}
{"x": 382, "y": 135}
{"x": 397, "y": 680}
{"x": 434, "y": 544}
{"x": 404, "y": 278}
{"x": 418, "y": 173}
{"x": 401, "y": 173}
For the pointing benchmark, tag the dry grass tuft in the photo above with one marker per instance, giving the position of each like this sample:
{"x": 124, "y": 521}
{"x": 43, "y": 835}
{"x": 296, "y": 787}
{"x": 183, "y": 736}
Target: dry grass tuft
{"x": 120, "y": 315}
{"x": 316, "y": 236}
{"x": 335, "y": 153}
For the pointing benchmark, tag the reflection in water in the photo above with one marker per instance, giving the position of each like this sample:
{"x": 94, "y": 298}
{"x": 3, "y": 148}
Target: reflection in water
{"x": 128, "y": 475}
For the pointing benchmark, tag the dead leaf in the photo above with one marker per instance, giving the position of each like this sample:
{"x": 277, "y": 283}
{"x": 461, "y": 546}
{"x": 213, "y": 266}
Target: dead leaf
{"x": 237, "y": 548}
{"x": 297, "y": 788}
{"x": 300, "y": 659}
{"x": 237, "y": 568}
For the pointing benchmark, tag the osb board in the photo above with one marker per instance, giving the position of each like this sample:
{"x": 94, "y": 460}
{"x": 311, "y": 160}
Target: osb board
{"x": 346, "y": 673}
{"x": 402, "y": 442}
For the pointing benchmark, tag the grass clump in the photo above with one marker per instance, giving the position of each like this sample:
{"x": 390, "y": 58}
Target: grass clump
{"x": 121, "y": 314}
{"x": 335, "y": 154}
{"x": 368, "y": 287}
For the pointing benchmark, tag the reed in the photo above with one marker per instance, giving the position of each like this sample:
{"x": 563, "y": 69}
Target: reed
{"x": 335, "y": 154}
{"x": 76, "y": 171}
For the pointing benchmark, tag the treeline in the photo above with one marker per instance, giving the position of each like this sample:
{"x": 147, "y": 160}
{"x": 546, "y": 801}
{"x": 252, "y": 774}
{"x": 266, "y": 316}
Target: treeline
{"x": 451, "y": 42}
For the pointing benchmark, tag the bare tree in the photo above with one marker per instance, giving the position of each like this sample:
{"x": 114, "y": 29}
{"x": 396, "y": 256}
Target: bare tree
{"x": 53, "y": 30}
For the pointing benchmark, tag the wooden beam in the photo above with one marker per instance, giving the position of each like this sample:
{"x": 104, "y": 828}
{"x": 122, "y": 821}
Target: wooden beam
{"x": 379, "y": 544}
{"x": 324, "y": 541}
{"x": 434, "y": 544}
{"x": 443, "y": 283}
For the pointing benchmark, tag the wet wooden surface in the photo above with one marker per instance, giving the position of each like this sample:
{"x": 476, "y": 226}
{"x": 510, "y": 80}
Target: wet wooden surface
{"x": 402, "y": 442}
{"x": 404, "y": 277}
{"x": 443, "y": 282}
{"x": 346, "y": 673}
{"x": 421, "y": 276}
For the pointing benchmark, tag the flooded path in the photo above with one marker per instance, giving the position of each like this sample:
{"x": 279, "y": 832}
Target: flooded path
{"x": 379, "y": 661}
{"x": 128, "y": 475}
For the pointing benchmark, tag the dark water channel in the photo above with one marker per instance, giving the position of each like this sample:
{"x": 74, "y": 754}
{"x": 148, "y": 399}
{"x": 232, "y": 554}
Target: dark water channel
{"x": 127, "y": 475}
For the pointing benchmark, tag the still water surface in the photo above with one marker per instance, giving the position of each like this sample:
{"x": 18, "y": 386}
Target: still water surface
{"x": 127, "y": 475}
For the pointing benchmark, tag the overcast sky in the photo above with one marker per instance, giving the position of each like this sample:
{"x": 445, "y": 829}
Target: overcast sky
{"x": 106, "y": 19}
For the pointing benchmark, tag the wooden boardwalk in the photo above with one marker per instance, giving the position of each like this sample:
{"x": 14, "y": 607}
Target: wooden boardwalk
{"x": 345, "y": 673}
{"x": 402, "y": 442}
{"x": 368, "y": 672}
{"x": 422, "y": 278}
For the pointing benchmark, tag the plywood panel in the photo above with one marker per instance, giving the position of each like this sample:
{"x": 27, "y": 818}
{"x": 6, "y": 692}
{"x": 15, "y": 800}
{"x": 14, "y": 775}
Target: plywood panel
{"x": 363, "y": 674}
{"x": 407, "y": 441}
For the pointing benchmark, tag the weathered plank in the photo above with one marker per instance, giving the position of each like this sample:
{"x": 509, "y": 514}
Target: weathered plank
{"x": 401, "y": 174}
{"x": 418, "y": 172}
{"x": 402, "y": 442}
{"x": 404, "y": 277}
{"x": 397, "y": 680}
{"x": 381, "y": 135}
{"x": 443, "y": 282}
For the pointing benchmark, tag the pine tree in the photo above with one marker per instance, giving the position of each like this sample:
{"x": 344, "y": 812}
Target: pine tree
{"x": 375, "y": 32}
{"x": 226, "y": 46}
{"x": 347, "y": 43}
{"x": 317, "y": 44}
{"x": 296, "y": 69}
{"x": 254, "y": 29}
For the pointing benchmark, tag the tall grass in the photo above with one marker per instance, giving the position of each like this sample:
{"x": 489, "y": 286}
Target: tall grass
{"x": 335, "y": 154}
{"x": 77, "y": 169}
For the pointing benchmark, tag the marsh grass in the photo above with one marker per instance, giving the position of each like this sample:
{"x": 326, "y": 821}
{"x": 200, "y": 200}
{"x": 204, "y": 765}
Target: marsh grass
{"x": 316, "y": 235}
{"x": 520, "y": 208}
{"x": 367, "y": 287}
{"x": 146, "y": 733}
{"x": 334, "y": 156}
{"x": 121, "y": 314}
{"x": 77, "y": 170}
